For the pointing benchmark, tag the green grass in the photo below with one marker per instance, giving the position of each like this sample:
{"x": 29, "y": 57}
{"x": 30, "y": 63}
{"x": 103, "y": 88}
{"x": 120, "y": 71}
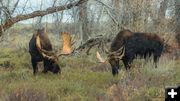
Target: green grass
{"x": 78, "y": 82}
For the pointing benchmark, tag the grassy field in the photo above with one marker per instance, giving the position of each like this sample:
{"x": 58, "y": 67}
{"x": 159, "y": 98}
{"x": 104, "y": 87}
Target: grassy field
{"x": 82, "y": 78}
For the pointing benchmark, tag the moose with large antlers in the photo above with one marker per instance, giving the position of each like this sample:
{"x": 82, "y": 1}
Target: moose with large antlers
{"x": 40, "y": 49}
{"x": 127, "y": 45}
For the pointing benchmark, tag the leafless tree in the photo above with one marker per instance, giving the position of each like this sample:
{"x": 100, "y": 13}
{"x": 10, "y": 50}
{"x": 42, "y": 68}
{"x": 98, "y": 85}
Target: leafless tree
{"x": 97, "y": 17}
{"x": 83, "y": 20}
{"x": 10, "y": 20}
{"x": 177, "y": 13}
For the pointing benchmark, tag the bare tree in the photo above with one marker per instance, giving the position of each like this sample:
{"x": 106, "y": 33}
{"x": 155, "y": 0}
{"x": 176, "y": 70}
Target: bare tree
{"x": 161, "y": 14}
{"x": 177, "y": 13}
{"x": 83, "y": 20}
{"x": 9, "y": 21}
{"x": 116, "y": 7}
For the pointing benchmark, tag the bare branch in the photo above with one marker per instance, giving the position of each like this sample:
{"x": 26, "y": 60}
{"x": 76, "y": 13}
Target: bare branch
{"x": 107, "y": 6}
{"x": 23, "y": 9}
{"x": 99, "y": 41}
{"x": 112, "y": 17}
{"x": 15, "y": 6}
{"x": 50, "y": 10}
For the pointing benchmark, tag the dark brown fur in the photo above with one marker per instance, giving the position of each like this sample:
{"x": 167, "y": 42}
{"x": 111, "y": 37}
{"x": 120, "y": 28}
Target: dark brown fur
{"x": 36, "y": 56}
{"x": 120, "y": 38}
{"x": 136, "y": 44}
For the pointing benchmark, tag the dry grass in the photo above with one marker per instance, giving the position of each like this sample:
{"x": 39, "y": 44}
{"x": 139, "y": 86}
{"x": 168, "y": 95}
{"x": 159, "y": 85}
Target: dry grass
{"x": 82, "y": 78}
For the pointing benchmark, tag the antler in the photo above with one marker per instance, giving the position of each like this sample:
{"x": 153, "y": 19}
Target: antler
{"x": 102, "y": 60}
{"x": 67, "y": 47}
{"x": 116, "y": 54}
{"x": 67, "y": 44}
{"x": 47, "y": 54}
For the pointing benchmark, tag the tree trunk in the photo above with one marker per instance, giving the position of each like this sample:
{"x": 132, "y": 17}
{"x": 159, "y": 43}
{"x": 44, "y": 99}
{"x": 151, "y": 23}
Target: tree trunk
{"x": 162, "y": 15}
{"x": 116, "y": 5}
{"x": 177, "y": 11}
{"x": 83, "y": 20}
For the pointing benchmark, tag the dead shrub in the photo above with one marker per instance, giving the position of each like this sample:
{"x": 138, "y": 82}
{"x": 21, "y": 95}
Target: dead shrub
{"x": 117, "y": 93}
{"x": 27, "y": 95}
{"x": 102, "y": 67}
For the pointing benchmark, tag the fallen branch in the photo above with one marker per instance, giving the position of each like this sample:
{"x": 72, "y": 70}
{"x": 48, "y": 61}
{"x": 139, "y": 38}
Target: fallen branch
{"x": 99, "y": 41}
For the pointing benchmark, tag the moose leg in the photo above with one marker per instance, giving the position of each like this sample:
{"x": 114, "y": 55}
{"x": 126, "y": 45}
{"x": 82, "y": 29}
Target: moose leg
{"x": 34, "y": 64}
{"x": 127, "y": 62}
{"x": 156, "y": 59}
{"x": 146, "y": 60}
{"x": 46, "y": 65}
{"x": 146, "y": 57}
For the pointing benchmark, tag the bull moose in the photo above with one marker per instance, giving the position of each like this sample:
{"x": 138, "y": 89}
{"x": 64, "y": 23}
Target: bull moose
{"x": 40, "y": 49}
{"x": 127, "y": 45}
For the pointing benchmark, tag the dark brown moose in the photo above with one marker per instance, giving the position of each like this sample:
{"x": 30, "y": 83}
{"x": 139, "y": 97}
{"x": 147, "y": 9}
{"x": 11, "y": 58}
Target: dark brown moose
{"x": 128, "y": 45}
{"x": 40, "y": 49}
